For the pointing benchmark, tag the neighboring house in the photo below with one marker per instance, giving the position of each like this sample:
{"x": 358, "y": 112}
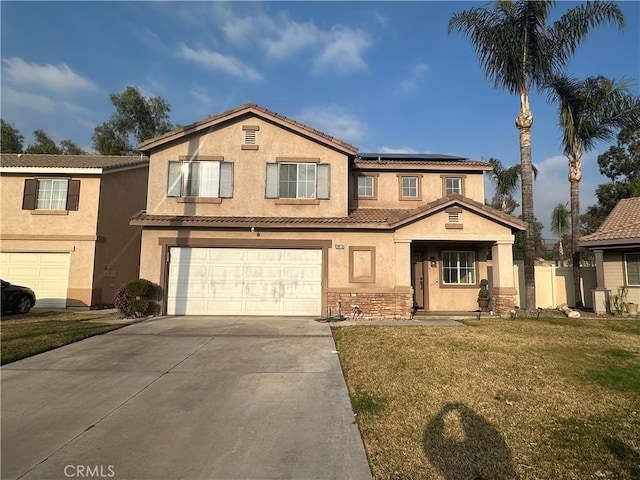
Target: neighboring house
{"x": 616, "y": 245}
{"x": 65, "y": 225}
{"x": 253, "y": 213}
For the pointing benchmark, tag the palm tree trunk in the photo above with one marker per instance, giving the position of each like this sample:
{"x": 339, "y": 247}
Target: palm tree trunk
{"x": 523, "y": 123}
{"x": 575, "y": 174}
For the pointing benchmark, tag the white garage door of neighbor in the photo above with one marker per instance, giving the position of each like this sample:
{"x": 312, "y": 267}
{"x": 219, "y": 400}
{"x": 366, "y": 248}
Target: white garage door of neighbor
{"x": 47, "y": 274}
{"x": 244, "y": 281}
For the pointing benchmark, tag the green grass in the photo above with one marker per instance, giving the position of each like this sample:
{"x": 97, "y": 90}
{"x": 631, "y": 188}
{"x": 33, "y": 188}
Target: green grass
{"x": 22, "y": 339}
{"x": 502, "y": 399}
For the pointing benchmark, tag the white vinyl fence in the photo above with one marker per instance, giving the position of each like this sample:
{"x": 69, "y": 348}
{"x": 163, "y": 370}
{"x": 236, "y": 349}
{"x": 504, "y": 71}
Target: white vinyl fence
{"x": 554, "y": 285}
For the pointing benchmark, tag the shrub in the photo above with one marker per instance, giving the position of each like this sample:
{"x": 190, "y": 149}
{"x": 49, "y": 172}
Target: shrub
{"x": 136, "y": 298}
{"x": 122, "y": 303}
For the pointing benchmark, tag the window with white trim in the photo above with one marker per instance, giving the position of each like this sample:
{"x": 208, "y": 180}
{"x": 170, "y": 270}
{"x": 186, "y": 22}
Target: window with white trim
{"x": 51, "y": 194}
{"x": 209, "y": 179}
{"x": 304, "y": 180}
{"x": 458, "y": 268}
{"x": 410, "y": 187}
{"x": 452, "y": 185}
{"x": 632, "y": 268}
{"x": 366, "y": 187}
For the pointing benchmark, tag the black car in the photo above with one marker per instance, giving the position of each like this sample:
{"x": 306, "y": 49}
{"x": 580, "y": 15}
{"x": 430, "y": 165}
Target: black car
{"x": 16, "y": 298}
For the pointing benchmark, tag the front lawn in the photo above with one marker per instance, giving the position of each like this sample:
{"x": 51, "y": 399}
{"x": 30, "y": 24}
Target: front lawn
{"x": 26, "y": 336}
{"x": 497, "y": 399}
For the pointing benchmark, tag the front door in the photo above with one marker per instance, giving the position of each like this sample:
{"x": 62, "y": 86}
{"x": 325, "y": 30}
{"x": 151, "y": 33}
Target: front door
{"x": 418, "y": 280}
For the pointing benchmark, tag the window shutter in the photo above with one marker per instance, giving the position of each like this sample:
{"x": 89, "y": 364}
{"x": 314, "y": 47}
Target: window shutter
{"x": 226, "y": 180}
{"x": 73, "y": 194}
{"x": 29, "y": 198}
{"x": 174, "y": 180}
{"x": 271, "y": 187}
{"x": 323, "y": 181}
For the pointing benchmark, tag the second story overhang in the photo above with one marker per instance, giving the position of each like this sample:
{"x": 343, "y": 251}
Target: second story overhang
{"x": 421, "y": 162}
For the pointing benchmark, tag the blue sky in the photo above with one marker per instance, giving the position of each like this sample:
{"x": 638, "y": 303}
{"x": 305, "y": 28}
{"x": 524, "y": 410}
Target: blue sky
{"x": 384, "y": 76}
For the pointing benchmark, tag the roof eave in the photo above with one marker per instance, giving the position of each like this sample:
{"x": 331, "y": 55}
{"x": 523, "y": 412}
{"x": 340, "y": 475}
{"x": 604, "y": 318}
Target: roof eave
{"x": 611, "y": 243}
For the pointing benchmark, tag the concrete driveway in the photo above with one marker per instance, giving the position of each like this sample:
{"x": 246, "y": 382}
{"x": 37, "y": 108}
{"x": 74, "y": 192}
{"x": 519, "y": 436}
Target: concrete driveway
{"x": 184, "y": 398}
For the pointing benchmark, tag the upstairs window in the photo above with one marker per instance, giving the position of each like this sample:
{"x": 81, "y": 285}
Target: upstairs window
{"x": 205, "y": 179}
{"x": 452, "y": 185}
{"x": 51, "y": 194}
{"x": 409, "y": 187}
{"x": 458, "y": 268}
{"x": 366, "y": 187}
{"x": 304, "y": 180}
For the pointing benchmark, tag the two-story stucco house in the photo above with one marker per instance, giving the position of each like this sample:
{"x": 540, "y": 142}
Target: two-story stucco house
{"x": 253, "y": 213}
{"x": 65, "y": 225}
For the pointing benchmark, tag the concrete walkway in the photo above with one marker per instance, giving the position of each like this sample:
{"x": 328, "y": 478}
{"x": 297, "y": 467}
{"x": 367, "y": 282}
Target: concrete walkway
{"x": 184, "y": 397}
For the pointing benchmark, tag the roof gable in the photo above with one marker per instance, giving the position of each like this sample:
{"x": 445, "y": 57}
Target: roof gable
{"x": 622, "y": 225}
{"x": 247, "y": 109}
{"x": 464, "y": 202}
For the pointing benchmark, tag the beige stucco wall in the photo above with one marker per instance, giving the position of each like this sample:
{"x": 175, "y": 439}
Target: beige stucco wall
{"x": 73, "y": 232}
{"x": 117, "y": 260}
{"x": 249, "y": 172}
{"x": 91, "y": 242}
{"x": 392, "y": 270}
{"x": 431, "y": 188}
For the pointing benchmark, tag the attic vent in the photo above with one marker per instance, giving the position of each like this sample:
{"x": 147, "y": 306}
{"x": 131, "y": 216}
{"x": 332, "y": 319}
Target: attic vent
{"x": 453, "y": 217}
{"x": 250, "y": 137}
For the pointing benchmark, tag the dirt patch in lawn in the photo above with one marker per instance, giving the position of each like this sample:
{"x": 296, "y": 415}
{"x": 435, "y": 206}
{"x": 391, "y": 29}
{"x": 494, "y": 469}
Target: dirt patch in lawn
{"x": 500, "y": 399}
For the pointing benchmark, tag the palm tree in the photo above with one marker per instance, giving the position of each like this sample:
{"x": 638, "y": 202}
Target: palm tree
{"x": 560, "y": 226}
{"x": 591, "y": 110}
{"x": 517, "y": 50}
{"x": 506, "y": 180}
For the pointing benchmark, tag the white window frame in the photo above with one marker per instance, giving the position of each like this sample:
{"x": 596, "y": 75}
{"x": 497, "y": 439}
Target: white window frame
{"x": 451, "y": 189}
{"x": 51, "y": 194}
{"x": 462, "y": 269}
{"x": 305, "y": 188}
{"x": 369, "y": 185}
{"x": 410, "y": 187}
{"x": 214, "y": 177}
{"x": 637, "y": 267}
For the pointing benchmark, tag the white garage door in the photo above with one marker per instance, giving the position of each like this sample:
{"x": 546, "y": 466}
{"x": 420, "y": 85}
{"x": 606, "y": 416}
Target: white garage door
{"x": 244, "y": 281}
{"x": 47, "y": 274}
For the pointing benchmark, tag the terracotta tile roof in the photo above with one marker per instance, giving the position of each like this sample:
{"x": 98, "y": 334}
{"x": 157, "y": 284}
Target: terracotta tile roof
{"x": 622, "y": 224}
{"x": 378, "y": 218}
{"x": 105, "y": 162}
{"x": 234, "y": 112}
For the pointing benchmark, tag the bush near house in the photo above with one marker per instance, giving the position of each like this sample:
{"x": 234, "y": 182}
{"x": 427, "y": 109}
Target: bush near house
{"x": 137, "y": 298}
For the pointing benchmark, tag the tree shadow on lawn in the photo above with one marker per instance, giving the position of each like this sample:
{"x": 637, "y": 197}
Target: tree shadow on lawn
{"x": 462, "y": 445}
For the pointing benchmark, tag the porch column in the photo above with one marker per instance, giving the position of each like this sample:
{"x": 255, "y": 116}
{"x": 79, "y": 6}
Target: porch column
{"x": 503, "y": 290}
{"x": 600, "y": 295}
{"x": 403, "y": 289}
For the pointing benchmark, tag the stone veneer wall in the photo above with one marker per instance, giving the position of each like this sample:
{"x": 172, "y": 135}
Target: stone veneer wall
{"x": 373, "y": 305}
{"x": 504, "y": 299}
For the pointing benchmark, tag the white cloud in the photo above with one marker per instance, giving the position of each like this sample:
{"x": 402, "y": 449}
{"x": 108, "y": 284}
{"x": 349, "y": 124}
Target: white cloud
{"x": 343, "y": 51}
{"x": 416, "y": 74}
{"x": 292, "y": 38}
{"x": 216, "y": 61}
{"x": 26, "y": 101}
{"x": 397, "y": 150}
{"x": 56, "y": 78}
{"x": 335, "y": 121}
